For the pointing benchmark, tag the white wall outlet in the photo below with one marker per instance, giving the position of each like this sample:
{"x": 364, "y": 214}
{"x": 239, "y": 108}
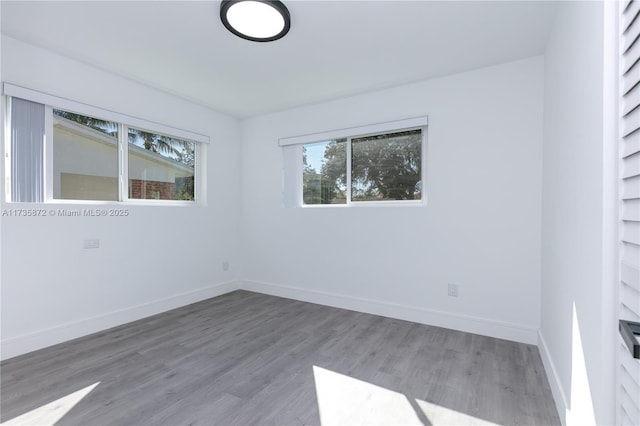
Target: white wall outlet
{"x": 91, "y": 243}
{"x": 225, "y": 265}
{"x": 453, "y": 290}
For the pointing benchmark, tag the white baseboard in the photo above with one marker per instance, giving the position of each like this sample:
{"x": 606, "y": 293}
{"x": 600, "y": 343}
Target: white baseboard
{"x": 554, "y": 381}
{"x": 19, "y": 345}
{"x": 484, "y": 326}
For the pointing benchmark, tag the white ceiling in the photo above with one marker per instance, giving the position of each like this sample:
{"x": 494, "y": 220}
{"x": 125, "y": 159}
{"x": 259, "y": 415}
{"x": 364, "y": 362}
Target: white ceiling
{"x": 334, "y": 48}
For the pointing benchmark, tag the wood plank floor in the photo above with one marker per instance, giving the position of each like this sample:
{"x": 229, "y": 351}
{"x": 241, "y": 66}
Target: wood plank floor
{"x": 250, "y": 359}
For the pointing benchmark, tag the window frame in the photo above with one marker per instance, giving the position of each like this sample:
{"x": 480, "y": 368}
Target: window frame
{"x": 124, "y": 122}
{"x": 123, "y": 148}
{"x": 298, "y": 142}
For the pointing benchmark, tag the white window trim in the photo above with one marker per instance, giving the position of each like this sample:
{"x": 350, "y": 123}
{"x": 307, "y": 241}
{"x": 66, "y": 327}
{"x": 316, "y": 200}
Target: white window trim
{"x": 77, "y": 107}
{"x": 52, "y": 102}
{"x": 349, "y": 169}
{"x": 297, "y": 142}
{"x": 386, "y": 127}
{"x": 123, "y": 161}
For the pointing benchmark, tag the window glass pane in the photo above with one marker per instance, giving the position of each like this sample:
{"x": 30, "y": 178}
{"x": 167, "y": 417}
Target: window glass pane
{"x": 387, "y": 167}
{"x": 85, "y": 157}
{"x": 324, "y": 174}
{"x": 160, "y": 167}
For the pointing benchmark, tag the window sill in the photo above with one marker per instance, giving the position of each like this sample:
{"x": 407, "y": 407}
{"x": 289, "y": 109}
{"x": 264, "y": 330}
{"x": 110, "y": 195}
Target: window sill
{"x": 367, "y": 204}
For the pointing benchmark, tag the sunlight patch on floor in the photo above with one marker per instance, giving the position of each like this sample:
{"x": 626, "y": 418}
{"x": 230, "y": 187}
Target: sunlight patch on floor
{"x": 49, "y": 414}
{"x": 439, "y": 415}
{"x": 581, "y": 406}
{"x": 343, "y": 400}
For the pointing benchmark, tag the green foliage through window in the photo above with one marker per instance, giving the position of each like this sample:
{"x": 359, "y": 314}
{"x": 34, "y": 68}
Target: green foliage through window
{"x": 324, "y": 173}
{"x": 385, "y": 167}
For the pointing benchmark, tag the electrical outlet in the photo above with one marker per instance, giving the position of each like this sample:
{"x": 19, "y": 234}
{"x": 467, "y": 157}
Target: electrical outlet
{"x": 92, "y": 243}
{"x": 453, "y": 290}
{"x": 225, "y": 266}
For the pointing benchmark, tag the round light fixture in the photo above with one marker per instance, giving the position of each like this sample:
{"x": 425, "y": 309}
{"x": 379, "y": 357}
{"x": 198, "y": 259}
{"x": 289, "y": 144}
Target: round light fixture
{"x": 256, "y": 20}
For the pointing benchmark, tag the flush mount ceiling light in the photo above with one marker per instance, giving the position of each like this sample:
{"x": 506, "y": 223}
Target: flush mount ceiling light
{"x": 256, "y": 20}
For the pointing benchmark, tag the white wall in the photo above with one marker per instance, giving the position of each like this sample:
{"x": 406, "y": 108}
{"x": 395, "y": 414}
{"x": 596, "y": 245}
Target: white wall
{"x": 480, "y": 229}
{"x": 154, "y": 259}
{"x": 576, "y": 335}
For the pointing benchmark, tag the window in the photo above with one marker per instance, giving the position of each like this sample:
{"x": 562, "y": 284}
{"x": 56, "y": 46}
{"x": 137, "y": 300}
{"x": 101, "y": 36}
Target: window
{"x": 160, "y": 167}
{"x": 324, "y": 174}
{"x": 362, "y": 168}
{"x": 387, "y": 167}
{"x": 94, "y": 154}
{"x": 85, "y": 157}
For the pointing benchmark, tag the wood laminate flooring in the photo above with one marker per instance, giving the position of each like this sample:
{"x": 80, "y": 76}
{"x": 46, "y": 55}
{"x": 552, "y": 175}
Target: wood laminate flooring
{"x": 249, "y": 359}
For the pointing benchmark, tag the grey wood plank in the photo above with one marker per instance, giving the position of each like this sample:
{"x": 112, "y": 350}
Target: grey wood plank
{"x": 248, "y": 359}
